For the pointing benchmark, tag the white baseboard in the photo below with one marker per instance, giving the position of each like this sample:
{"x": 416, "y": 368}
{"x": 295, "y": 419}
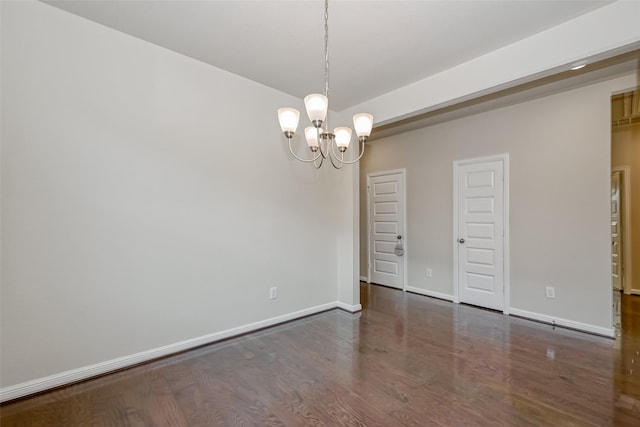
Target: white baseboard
{"x": 433, "y": 294}
{"x": 364, "y": 279}
{"x": 75, "y": 375}
{"x": 349, "y": 308}
{"x": 584, "y": 327}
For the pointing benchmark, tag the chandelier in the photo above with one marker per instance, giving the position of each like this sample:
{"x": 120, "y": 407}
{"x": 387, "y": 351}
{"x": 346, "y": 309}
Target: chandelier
{"x": 322, "y": 142}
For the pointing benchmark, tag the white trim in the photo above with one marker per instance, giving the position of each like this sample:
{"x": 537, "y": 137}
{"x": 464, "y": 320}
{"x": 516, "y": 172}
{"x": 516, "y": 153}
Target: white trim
{"x": 368, "y": 228}
{"x": 456, "y": 294}
{"x": 506, "y": 239}
{"x": 627, "y": 280}
{"x": 349, "y": 308}
{"x": 504, "y": 158}
{"x": 428, "y": 293}
{"x": 402, "y": 171}
{"x": 79, "y": 374}
{"x": 584, "y": 327}
{"x": 363, "y": 278}
{"x": 405, "y": 241}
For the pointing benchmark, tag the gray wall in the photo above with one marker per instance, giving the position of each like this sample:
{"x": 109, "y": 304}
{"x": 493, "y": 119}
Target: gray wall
{"x": 559, "y": 149}
{"x": 147, "y": 199}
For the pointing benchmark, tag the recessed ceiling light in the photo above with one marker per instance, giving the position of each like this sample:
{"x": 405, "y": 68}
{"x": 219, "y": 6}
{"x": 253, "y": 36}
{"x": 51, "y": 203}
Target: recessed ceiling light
{"x": 577, "y": 65}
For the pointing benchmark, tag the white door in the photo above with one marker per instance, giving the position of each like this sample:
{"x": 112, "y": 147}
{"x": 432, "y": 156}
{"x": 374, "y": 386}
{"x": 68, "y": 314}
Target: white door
{"x": 386, "y": 228}
{"x": 480, "y": 233}
{"x": 616, "y": 232}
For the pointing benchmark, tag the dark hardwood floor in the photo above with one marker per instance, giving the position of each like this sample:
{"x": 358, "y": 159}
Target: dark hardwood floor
{"x": 405, "y": 360}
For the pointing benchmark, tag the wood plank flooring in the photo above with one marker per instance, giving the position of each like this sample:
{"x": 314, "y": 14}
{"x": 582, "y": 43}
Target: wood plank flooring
{"x": 406, "y": 360}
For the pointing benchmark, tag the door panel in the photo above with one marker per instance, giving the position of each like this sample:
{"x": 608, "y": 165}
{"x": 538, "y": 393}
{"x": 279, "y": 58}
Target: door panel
{"x": 480, "y": 234}
{"x": 386, "y": 209}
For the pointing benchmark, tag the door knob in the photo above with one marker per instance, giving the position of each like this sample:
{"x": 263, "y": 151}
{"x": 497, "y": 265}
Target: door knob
{"x": 460, "y": 240}
{"x": 399, "y": 250}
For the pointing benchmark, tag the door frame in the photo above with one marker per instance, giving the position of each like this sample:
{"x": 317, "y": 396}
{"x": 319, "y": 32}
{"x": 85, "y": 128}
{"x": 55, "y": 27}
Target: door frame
{"x": 370, "y": 175}
{"x": 626, "y": 225}
{"x": 504, "y": 158}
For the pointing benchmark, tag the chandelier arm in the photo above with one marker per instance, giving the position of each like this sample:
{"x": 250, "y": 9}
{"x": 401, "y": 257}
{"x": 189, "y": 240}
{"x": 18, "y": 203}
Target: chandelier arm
{"x": 302, "y": 160}
{"x": 337, "y": 155}
{"x": 316, "y": 165}
{"x": 350, "y": 162}
{"x": 333, "y": 163}
{"x": 325, "y": 152}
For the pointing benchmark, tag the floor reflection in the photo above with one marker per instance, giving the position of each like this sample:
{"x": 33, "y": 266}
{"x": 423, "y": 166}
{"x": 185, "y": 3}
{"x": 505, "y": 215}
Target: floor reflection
{"x": 521, "y": 372}
{"x": 627, "y": 363}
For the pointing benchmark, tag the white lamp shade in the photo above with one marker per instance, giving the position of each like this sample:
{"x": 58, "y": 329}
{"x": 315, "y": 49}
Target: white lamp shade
{"x": 316, "y": 105}
{"x": 343, "y": 137}
{"x": 311, "y": 135}
{"x": 288, "y": 118}
{"x": 363, "y": 123}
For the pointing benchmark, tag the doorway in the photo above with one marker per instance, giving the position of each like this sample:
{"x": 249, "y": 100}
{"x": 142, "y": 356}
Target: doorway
{"x": 625, "y": 204}
{"x": 386, "y": 210}
{"x": 481, "y": 232}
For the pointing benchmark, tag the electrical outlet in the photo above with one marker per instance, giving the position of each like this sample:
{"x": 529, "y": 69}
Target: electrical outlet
{"x": 550, "y": 292}
{"x": 273, "y": 292}
{"x": 429, "y": 272}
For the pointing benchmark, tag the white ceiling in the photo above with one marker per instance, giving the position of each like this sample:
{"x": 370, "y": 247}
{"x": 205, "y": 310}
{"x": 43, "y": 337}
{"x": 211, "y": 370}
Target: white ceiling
{"x": 375, "y": 46}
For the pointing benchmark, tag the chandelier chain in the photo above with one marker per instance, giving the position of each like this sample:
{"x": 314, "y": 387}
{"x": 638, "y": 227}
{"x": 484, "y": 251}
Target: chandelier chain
{"x": 326, "y": 48}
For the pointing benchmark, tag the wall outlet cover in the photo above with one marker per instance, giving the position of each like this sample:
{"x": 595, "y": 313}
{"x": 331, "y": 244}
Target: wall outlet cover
{"x": 550, "y": 292}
